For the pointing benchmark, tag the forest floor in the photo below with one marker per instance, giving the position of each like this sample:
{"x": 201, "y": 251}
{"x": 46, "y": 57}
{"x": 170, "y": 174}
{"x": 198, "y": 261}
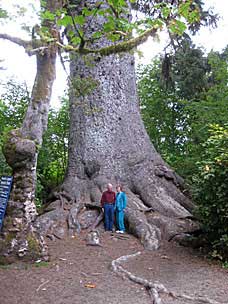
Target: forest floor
{"x": 81, "y": 274}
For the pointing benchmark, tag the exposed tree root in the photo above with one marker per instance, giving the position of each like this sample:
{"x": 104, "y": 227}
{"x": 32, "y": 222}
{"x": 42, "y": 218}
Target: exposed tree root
{"x": 72, "y": 219}
{"x": 64, "y": 216}
{"x": 98, "y": 220}
{"x": 154, "y": 289}
{"x": 65, "y": 199}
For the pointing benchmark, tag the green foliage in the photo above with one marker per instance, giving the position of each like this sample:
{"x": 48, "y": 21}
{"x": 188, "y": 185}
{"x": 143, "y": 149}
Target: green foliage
{"x": 3, "y": 13}
{"x": 52, "y": 160}
{"x": 188, "y": 71}
{"x": 210, "y": 188}
{"x": 53, "y": 156}
{"x": 39, "y": 193}
{"x": 72, "y": 17}
{"x": 13, "y": 104}
{"x": 176, "y": 17}
{"x": 180, "y": 95}
{"x": 184, "y": 107}
{"x": 225, "y": 265}
{"x": 162, "y": 110}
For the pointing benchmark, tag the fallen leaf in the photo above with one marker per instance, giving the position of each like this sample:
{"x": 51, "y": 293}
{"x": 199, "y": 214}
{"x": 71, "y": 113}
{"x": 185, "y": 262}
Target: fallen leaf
{"x": 90, "y": 285}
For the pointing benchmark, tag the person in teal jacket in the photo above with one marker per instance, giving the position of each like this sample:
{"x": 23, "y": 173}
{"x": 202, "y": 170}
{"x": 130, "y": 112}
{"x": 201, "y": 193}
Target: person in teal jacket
{"x": 120, "y": 206}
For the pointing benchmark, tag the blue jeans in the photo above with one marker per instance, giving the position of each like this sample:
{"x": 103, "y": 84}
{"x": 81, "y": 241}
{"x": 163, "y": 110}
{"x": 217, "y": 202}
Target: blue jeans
{"x": 109, "y": 216}
{"x": 120, "y": 220}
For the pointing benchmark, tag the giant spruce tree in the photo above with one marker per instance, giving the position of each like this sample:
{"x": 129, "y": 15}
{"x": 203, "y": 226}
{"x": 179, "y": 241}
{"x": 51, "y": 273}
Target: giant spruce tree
{"x": 107, "y": 140}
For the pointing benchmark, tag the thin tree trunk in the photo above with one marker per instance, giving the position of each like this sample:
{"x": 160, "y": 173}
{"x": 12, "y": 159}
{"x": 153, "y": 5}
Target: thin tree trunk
{"x": 21, "y": 150}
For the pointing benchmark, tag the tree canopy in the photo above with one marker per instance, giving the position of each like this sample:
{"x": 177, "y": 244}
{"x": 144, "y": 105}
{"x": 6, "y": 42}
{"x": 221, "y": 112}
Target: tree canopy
{"x": 174, "y": 16}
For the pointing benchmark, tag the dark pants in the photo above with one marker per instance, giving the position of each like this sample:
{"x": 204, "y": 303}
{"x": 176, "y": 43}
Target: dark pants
{"x": 109, "y": 216}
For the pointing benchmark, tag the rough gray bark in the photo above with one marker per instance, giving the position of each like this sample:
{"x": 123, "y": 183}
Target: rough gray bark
{"x": 108, "y": 143}
{"x": 21, "y": 150}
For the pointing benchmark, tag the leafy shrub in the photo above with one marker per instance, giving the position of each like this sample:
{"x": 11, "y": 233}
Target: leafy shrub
{"x": 211, "y": 189}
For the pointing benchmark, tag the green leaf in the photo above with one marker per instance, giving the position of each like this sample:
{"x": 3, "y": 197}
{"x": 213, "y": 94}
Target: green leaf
{"x": 113, "y": 37}
{"x": 86, "y": 12}
{"x": 65, "y": 21}
{"x": 97, "y": 35}
{"x": 47, "y": 15}
{"x": 79, "y": 19}
{"x": 177, "y": 27}
{"x": 166, "y": 11}
{"x": 76, "y": 40}
{"x": 183, "y": 9}
{"x": 110, "y": 25}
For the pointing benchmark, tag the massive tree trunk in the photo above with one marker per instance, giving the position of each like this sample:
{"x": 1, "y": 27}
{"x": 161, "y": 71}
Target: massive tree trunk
{"x": 108, "y": 143}
{"x": 21, "y": 151}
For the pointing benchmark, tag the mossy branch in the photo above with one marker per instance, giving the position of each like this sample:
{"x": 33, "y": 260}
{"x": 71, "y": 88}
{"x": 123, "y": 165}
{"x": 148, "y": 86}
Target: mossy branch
{"x": 124, "y": 46}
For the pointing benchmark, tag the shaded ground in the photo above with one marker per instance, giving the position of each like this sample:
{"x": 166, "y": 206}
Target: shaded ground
{"x": 73, "y": 265}
{"x": 182, "y": 271}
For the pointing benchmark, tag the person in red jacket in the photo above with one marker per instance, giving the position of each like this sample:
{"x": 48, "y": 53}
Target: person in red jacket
{"x": 108, "y": 202}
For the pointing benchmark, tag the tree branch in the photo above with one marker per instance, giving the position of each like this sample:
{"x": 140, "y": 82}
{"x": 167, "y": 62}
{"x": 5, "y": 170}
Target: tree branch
{"x": 32, "y": 52}
{"x": 30, "y": 47}
{"x": 124, "y": 46}
{"x": 15, "y": 40}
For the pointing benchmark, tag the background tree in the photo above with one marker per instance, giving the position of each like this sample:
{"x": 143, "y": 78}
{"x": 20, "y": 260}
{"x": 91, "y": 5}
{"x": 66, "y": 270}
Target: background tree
{"x": 187, "y": 124}
{"x": 163, "y": 112}
{"x": 177, "y": 110}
